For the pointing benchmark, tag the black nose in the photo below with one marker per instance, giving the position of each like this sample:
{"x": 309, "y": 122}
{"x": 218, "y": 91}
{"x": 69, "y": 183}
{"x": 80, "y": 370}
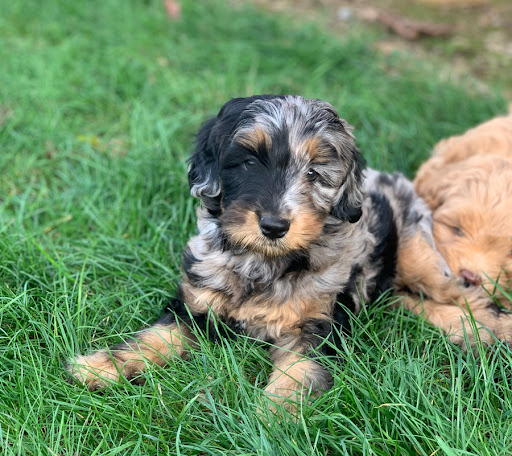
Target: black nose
{"x": 273, "y": 227}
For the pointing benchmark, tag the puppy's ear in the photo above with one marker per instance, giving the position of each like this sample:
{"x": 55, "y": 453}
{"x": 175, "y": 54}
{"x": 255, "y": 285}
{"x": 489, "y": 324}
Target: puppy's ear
{"x": 433, "y": 179}
{"x": 349, "y": 200}
{"x": 203, "y": 169}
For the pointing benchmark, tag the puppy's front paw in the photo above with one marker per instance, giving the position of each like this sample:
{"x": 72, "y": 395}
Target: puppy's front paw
{"x": 444, "y": 291}
{"x": 99, "y": 369}
{"x": 284, "y": 398}
{"x": 443, "y": 266}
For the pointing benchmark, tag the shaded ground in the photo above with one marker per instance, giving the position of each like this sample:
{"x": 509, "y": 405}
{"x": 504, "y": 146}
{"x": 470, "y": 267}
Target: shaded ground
{"x": 478, "y": 42}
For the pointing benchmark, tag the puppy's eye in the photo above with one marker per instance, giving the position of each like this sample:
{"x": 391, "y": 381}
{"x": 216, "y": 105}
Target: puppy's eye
{"x": 312, "y": 175}
{"x": 249, "y": 162}
{"x": 457, "y": 231}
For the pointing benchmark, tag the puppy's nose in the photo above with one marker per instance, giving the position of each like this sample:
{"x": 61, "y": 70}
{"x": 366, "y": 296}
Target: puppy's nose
{"x": 470, "y": 278}
{"x": 274, "y": 227}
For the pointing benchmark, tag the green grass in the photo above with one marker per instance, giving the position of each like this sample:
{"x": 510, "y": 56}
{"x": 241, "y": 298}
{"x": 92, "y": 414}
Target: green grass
{"x": 99, "y": 102}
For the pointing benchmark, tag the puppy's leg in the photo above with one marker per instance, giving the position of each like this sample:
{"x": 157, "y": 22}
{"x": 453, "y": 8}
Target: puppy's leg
{"x": 157, "y": 344}
{"x": 457, "y": 318}
{"x": 421, "y": 269}
{"x": 294, "y": 372}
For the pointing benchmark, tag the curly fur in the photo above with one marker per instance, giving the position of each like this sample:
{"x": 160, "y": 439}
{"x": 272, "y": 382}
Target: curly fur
{"x": 468, "y": 185}
{"x": 290, "y": 225}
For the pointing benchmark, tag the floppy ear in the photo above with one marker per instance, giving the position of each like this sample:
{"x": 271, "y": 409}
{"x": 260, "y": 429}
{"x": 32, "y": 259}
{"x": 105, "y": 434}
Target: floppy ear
{"x": 433, "y": 179}
{"x": 203, "y": 168}
{"x": 213, "y": 137}
{"x": 349, "y": 199}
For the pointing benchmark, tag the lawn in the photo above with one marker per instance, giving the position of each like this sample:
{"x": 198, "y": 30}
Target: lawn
{"x": 99, "y": 103}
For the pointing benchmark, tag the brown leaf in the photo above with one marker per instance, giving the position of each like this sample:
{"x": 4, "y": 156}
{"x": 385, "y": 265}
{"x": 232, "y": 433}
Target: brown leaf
{"x": 405, "y": 27}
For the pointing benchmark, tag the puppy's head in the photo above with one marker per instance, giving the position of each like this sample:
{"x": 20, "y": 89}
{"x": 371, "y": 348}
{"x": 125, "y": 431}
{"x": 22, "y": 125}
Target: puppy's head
{"x": 472, "y": 224}
{"x": 273, "y": 168}
{"x": 492, "y": 138}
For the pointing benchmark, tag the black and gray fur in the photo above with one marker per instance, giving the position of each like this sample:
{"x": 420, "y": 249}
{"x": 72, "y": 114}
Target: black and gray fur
{"x": 293, "y": 233}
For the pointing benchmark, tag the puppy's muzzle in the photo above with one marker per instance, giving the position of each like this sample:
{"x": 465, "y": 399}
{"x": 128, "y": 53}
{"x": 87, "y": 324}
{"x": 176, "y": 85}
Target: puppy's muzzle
{"x": 469, "y": 278}
{"x": 273, "y": 227}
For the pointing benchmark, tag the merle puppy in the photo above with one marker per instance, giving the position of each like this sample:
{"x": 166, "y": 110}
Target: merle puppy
{"x": 291, "y": 226}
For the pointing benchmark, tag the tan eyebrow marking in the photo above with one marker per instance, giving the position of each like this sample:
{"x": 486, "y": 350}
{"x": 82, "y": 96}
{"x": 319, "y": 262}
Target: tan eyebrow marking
{"x": 316, "y": 150}
{"x": 254, "y": 139}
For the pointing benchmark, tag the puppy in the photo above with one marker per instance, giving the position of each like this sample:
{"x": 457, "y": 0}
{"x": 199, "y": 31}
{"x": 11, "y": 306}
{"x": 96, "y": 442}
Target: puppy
{"x": 468, "y": 185}
{"x": 293, "y": 235}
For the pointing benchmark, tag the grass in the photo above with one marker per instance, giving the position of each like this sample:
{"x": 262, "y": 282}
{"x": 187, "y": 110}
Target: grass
{"x": 99, "y": 102}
